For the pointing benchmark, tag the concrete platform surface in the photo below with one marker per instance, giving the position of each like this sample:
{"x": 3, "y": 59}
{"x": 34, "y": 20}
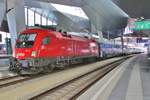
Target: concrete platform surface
{"x": 135, "y": 82}
{"x": 4, "y": 65}
{"x": 5, "y": 55}
{"x": 4, "y": 62}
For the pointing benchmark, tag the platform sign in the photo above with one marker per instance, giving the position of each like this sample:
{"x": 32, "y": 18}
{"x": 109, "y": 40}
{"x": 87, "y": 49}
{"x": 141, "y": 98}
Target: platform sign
{"x": 142, "y": 25}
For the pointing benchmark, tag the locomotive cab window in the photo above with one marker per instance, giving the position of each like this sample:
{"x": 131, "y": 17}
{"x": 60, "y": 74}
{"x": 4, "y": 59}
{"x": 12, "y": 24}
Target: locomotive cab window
{"x": 26, "y": 40}
{"x": 46, "y": 40}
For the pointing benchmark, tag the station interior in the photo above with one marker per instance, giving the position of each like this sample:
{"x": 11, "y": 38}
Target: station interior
{"x": 74, "y": 50}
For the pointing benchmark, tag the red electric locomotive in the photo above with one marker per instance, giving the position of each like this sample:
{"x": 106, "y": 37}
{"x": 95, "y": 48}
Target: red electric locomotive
{"x": 39, "y": 50}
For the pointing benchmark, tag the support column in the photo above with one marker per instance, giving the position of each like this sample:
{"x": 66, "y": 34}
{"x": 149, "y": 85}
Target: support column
{"x": 122, "y": 42}
{"x": 108, "y": 35}
{"x": 93, "y": 28}
{"x": 2, "y": 12}
{"x": 16, "y": 18}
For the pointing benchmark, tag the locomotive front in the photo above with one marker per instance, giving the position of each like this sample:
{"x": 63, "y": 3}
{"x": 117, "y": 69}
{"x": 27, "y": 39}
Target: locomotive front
{"x": 25, "y": 50}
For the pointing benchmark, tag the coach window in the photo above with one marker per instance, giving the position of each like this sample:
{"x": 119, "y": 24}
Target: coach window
{"x": 0, "y": 37}
{"x": 46, "y": 41}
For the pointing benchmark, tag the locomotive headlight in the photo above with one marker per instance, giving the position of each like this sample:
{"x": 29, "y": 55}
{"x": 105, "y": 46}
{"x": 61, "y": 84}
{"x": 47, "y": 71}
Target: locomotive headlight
{"x": 33, "y": 54}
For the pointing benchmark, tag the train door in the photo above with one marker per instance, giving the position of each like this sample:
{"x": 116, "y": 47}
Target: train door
{"x": 99, "y": 50}
{"x": 45, "y": 47}
{"x": 75, "y": 47}
{"x": 70, "y": 48}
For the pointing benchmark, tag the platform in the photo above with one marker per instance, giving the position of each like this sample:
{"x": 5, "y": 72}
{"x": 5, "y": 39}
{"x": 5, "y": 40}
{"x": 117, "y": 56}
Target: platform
{"x": 134, "y": 84}
{"x": 3, "y": 56}
{"x": 130, "y": 82}
{"x": 4, "y": 65}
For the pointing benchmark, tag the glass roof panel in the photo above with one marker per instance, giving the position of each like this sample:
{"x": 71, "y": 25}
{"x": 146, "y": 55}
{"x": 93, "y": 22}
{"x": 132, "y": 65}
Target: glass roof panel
{"x": 77, "y": 11}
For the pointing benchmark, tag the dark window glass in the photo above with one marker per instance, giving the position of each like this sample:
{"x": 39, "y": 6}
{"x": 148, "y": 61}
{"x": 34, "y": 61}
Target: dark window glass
{"x": 46, "y": 40}
{"x": 0, "y": 37}
{"x": 27, "y": 37}
{"x": 26, "y": 40}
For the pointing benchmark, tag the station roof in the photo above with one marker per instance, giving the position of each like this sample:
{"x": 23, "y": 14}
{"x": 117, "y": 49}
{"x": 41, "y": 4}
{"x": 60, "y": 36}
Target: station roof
{"x": 103, "y": 14}
{"x": 135, "y": 8}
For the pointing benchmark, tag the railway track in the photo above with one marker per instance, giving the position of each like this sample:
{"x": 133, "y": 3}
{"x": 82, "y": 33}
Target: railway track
{"x": 12, "y": 80}
{"x": 58, "y": 85}
{"x": 8, "y": 81}
{"x": 7, "y": 77}
{"x": 75, "y": 87}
